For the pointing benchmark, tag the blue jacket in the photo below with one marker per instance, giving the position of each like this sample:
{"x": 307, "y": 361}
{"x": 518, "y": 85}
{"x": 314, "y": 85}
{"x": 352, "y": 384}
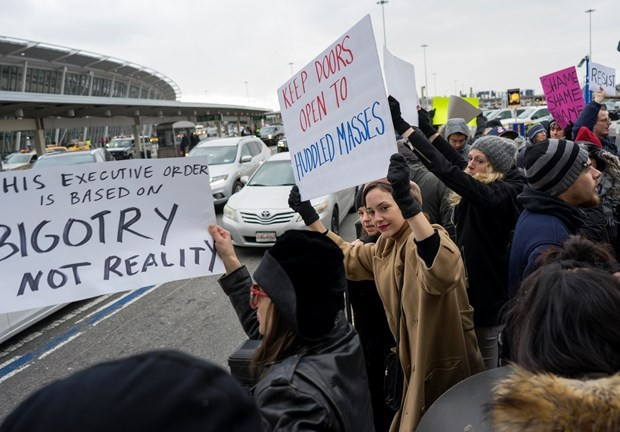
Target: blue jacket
{"x": 545, "y": 221}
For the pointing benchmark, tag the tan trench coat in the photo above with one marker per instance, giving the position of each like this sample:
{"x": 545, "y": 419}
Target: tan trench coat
{"x": 438, "y": 347}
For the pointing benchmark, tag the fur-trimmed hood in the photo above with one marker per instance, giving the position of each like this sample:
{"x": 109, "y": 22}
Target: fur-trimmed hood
{"x": 544, "y": 402}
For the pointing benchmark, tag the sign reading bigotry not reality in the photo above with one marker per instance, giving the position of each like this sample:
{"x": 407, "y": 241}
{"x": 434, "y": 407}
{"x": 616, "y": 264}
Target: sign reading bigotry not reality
{"x": 70, "y": 233}
{"x": 563, "y": 95}
{"x": 337, "y": 118}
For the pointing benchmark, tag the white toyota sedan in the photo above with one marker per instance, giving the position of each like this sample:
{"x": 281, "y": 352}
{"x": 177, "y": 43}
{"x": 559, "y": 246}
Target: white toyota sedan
{"x": 259, "y": 213}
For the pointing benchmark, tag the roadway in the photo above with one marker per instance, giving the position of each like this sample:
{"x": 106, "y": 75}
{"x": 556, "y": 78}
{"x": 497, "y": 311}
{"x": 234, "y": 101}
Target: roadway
{"x": 192, "y": 315}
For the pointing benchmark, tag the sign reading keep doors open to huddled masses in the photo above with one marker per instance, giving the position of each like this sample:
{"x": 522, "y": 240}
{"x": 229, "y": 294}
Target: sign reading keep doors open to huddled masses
{"x": 70, "y": 233}
{"x": 336, "y": 116}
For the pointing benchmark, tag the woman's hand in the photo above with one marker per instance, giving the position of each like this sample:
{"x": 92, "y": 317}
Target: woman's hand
{"x": 224, "y": 247}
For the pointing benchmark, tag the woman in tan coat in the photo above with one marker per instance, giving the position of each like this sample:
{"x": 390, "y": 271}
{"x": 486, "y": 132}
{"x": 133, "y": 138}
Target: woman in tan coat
{"x": 417, "y": 260}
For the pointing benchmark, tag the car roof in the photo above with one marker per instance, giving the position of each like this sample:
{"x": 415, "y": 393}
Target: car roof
{"x": 68, "y": 154}
{"x": 223, "y": 142}
{"x": 280, "y": 157}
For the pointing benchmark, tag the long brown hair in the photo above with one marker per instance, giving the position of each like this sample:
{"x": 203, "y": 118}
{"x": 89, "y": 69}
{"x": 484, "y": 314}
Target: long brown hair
{"x": 279, "y": 342}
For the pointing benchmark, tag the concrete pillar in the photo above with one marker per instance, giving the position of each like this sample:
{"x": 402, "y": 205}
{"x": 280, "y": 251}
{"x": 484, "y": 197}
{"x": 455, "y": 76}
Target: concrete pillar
{"x": 137, "y": 129}
{"x": 39, "y": 137}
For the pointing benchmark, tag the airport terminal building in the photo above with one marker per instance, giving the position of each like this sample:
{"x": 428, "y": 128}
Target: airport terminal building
{"x": 69, "y": 94}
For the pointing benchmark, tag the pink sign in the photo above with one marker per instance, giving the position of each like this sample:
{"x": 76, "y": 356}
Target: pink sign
{"x": 563, "y": 94}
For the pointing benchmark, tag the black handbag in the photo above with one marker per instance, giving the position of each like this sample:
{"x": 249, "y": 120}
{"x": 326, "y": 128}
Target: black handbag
{"x": 394, "y": 377}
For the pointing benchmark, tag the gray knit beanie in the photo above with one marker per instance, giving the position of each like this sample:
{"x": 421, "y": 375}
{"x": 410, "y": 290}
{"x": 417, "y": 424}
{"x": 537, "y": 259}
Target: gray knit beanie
{"x": 456, "y": 125}
{"x": 553, "y": 165}
{"x": 499, "y": 151}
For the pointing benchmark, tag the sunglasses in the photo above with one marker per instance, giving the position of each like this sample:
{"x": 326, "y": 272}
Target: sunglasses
{"x": 256, "y": 292}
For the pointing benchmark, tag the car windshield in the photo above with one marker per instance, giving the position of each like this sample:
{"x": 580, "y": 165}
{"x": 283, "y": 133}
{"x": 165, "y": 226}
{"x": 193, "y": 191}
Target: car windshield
{"x": 119, "y": 143}
{"x": 527, "y": 113}
{"x": 65, "y": 159}
{"x": 216, "y": 155}
{"x": 268, "y": 130}
{"x": 18, "y": 158}
{"x": 276, "y": 173}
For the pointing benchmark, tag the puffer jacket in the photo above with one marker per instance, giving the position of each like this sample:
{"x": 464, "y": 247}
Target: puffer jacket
{"x": 545, "y": 402}
{"x": 322, "y": 387}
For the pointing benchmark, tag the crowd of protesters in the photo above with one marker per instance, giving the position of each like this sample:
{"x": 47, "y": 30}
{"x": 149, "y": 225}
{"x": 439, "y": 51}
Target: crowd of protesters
{"x": 477, "y": 250}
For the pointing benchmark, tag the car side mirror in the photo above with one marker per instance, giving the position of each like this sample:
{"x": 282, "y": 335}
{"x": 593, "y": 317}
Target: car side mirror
{"x": 244, "y": 179}
{"x": 246, "y": 159}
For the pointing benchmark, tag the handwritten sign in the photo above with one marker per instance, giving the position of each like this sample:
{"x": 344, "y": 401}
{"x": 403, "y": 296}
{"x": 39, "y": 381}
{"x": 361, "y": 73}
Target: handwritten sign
{"x": 400, "y": 82}
{"x": 563, "y": 94}
{"x": 337, "y": 118}
{"x": 603, "y": 76}
{"x": 70, "y": 233}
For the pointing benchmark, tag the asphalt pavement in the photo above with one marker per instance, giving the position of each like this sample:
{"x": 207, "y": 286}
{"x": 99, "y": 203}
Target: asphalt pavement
{"x": 192, "y": 315}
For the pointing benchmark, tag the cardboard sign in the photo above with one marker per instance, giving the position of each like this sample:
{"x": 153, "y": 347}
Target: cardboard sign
{"x": 563, "y": 94}
{"x": 460, "y": 108}
{"x": 337, "y": 118}
{"x": 441, "y": 105}
{"x": 400, "y": 82}
{"x": 70, "y": 233}
{"x": 602, "y": 77}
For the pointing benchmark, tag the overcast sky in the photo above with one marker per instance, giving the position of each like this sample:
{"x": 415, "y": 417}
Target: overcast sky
{"x": 211, "y": 48}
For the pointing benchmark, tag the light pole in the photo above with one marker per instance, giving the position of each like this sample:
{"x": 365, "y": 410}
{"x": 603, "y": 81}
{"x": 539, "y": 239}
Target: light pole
{"x": 435, "y": 82}
{"x": 589, "y": 12}
{"x": 291, "y": 65}
{"x": 383, "y": 2}
{"x": 424, "y": 46}
{"x": 247, "y": 92}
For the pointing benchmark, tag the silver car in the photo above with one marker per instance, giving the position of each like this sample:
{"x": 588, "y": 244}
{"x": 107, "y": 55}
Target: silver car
{"x": 258, "y": 214}
{"x": 230, "y": 159}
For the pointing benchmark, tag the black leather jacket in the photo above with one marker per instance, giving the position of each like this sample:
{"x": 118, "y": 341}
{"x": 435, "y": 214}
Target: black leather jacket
{"x": 323, "y": 387}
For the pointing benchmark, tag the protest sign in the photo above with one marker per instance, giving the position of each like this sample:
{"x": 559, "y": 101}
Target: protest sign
{"x": 70, "y": 233}
{"x": 441, "y": 104}
{"x": 460, "y": 108}
{"x": 563, "y": 93}
{"x": 337, "y": 118}
{"x": 603, "y": 76}
{"x": 400, "y": 82}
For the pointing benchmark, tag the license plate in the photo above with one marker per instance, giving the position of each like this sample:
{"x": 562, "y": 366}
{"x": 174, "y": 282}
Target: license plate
{"x": 265, "y": 236}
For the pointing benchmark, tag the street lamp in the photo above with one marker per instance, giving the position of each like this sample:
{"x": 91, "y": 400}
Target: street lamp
{"x": 247, "y": 92}
{"x": 382, "y": 2}
{"x": 435, "y": 80}
{"x": 291, "y": 65}
{"x": 424, "y": 46}
{"x": 589, "y": 12}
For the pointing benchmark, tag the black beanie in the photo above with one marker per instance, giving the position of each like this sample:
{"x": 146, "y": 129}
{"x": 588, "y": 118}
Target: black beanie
{"x": 303, "y": 275}
{"x": 151, "y": 392}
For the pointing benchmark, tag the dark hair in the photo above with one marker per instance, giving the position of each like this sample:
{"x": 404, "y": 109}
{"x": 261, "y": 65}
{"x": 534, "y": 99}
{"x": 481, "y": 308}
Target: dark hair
{"x": 280, "y": 342}
{"x": 384, "y": 186}
{"x": 563, "y": 320}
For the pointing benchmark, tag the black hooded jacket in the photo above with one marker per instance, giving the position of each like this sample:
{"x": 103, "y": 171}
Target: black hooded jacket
{"x": 322, "y": 387}
{"x": 484, "y": 221}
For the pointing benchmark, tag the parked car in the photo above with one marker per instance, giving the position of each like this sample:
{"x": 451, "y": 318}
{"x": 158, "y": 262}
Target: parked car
{"x": 529, "y": 116}
{"x": 258, "y": 214}
{"x": 230, "y": 159}
{"x": 72, "y": 158}
{"x": 282, "y": 145}
{"x": 271, "y": 134}
{"x": 19, "y": 160}
{"x": 506, "y": 113}
{"x": 124, "y": 148}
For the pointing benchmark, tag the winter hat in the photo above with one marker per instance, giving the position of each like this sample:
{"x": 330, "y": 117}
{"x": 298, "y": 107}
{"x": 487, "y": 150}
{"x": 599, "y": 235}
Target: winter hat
{"x": 303, "y": 275}
{"x": 553, "y": 165}
{"x": 533, "y": 129}
{"x": 586, "y": 134}
{"x": 456, "y": 125}
{"x": 499, "y": 151}
{"x": 501, "y": 131}
{"x": 154, "y": 391}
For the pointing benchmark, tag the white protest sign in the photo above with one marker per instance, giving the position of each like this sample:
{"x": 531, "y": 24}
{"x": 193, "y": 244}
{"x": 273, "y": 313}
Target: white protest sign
{"x": 400, "y": 82}
{"x": 337, "y": 118}
{"x": 70, "y": 233}
{"x": 603, "y": 76}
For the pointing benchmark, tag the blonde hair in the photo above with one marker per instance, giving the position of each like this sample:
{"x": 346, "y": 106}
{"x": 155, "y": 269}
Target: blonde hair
{"x": 489, "y": 176}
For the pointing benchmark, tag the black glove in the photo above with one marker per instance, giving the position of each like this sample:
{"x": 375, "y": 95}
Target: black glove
{"x": 304, "y": 208}
{"x": 424, "y": 123}
{"x": 398, "y": 176}
{"x": 400, "y": 125}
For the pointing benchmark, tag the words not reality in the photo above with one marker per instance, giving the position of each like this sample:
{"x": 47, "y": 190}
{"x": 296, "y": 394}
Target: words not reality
{"x": 362, "y": 127}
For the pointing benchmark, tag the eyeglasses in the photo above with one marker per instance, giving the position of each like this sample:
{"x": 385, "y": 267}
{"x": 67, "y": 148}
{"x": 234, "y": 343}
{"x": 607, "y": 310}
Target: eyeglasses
{"x": 256, "y": 292}
{"x": 604, "y": 120}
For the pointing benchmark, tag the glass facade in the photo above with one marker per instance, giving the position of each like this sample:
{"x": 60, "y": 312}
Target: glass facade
{"x": 102, "y": 87}
{"x": 11, "y": 77}
{"x": 120, "y": 89}
{"x": 43, "y": 80}
{"x": 77, "y": 84}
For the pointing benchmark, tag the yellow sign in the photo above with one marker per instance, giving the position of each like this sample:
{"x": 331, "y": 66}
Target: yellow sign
{"x": 440, "y": 105}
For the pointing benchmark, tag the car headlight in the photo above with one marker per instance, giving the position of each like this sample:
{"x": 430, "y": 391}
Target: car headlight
{"x": 230, "y": 213}
{"x": 218, "y": 178}
{"x": 320, "y": 208}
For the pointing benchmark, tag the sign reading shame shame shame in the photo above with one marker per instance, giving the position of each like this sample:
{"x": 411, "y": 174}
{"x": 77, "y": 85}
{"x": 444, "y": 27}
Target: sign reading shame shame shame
{"x": 337, "y": 118}
{"x": 563, "y": 95}
{"x": 70, "y": 233}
